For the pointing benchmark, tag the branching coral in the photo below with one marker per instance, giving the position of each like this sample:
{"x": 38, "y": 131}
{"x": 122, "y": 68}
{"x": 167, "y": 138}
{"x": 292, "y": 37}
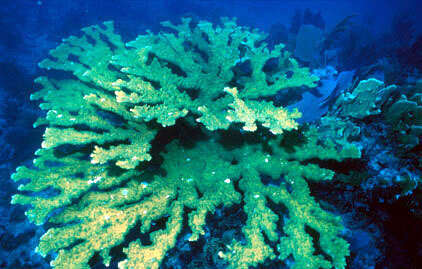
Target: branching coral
{"x": 163, "y": 128}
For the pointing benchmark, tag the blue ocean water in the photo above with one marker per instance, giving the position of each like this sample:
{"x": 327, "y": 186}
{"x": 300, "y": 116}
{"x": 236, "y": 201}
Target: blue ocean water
{"x": 341, "y": 42}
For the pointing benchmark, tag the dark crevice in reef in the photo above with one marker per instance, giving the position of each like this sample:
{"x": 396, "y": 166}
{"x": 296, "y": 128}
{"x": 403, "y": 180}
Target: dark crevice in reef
{"x": 233, "y": 138}
{"x": 69, "y": 149}
{"x": 282, "y": 211}
{"x": 175, "y": 69}
{"x": 292, "y": 139}
{"x": 182, "y": 243}
{"x": 236, "y": 186}
{"x": 74, "y": 58}
{"x": 316, "y": 243}
{"x": 80, "y": 127}
{"x": 134, "y": 202}
{"x": 192, "y": 92}
{"x": 242, "y": 69}
{"x": 90, "y": 40}
{"x": 45, "y": 193}
{"x": 346, "y": 166}
{"x": 219, "y": 96}
{"x": 280, "y": 181}
{"x": 271, "y": 66}
{"x": 198, "y": 192}
{"x": 189, "y": 46}
{"x": 74, "y": 244}
{"x": 106, "y": 40}
{"x": 182, "y": 131}
{"x": 116, "y": 69}
{"x": 112, "y": 118}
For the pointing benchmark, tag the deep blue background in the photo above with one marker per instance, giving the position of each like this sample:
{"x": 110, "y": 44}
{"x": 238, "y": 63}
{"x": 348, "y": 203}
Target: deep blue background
{"x": 22, "y": 21}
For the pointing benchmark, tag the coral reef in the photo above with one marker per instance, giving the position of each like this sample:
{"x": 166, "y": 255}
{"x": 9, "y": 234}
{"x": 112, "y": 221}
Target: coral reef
{"x": 159, "y": 132}
{"x": 390, "y": 117}
{"x": 365, "y": 100}
{"x": 405, "y": 117}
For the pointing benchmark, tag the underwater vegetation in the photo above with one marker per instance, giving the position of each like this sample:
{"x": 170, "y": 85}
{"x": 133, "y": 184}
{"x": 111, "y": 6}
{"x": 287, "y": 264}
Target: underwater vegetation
{"x": 157, "y": 133}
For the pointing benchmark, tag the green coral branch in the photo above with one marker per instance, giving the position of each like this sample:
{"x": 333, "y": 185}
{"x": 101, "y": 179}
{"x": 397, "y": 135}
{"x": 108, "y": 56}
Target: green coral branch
{"x": 271, "y": 117}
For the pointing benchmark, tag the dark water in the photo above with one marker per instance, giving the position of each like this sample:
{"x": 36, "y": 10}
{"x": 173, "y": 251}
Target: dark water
{"x": 378, "y": 196}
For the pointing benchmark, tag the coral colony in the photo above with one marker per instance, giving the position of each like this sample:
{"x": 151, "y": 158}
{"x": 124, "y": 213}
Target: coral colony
{"x": 158, "y": 133}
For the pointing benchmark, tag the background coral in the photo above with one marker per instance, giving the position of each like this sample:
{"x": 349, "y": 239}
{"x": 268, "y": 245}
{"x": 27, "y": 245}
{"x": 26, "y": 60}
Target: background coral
{"x": 395, "y": 111}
